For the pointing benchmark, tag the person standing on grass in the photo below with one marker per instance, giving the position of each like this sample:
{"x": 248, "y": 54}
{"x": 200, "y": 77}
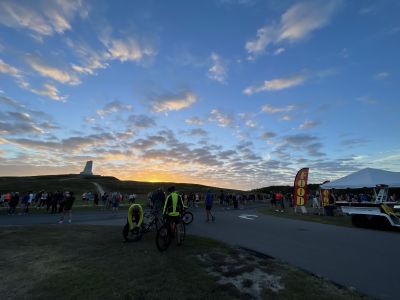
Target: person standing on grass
{"x": 69, "y": 201}
{"x": 208, "y": 204}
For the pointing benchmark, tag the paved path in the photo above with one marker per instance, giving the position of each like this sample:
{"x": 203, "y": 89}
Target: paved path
{"x": 364, "y": 259}
{"x": 361, "y": 258}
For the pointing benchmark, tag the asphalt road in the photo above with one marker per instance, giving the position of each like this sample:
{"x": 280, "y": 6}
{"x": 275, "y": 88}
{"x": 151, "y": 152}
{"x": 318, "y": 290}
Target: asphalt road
{"x": 364, "y": 259}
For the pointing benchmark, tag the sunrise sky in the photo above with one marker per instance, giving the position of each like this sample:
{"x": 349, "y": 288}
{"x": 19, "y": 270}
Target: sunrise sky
{"x": 229, "y": 93}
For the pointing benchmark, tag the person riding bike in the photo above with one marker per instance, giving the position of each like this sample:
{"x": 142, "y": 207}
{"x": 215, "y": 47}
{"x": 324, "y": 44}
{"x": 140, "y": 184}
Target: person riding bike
{"x": 135, "y": 216}
{"x": 173, "y": 209}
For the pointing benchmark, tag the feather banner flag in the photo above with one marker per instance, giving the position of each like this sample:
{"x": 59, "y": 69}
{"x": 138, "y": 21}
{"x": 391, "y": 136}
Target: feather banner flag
{"x": 300, "y": 188}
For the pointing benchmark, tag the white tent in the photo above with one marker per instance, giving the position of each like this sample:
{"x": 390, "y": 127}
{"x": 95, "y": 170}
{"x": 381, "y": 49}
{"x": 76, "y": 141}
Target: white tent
{"x": 365, "y": 178}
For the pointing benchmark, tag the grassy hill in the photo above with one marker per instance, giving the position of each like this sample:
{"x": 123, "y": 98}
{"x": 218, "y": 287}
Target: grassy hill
{"x": 80, "y": 184}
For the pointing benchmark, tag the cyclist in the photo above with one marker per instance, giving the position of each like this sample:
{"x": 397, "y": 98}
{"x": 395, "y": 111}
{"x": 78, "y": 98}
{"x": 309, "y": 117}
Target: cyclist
{"x": 173, "y": 209}
{"x": 135, "y": 216}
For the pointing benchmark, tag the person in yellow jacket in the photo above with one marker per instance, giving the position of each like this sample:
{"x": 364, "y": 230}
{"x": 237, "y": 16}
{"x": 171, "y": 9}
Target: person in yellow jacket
{"x": 173, "y": 209}
{"x": 135, "y": 216}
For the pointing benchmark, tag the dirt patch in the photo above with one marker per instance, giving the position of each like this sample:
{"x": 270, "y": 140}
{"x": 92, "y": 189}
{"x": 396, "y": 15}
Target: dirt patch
{"x": 243, "y": 271}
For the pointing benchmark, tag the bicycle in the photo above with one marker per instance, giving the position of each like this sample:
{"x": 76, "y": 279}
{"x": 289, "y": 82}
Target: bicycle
{"x": 187, "y": 216}
{"x": 151, "y": 221}
{"x": 165, "y": 234}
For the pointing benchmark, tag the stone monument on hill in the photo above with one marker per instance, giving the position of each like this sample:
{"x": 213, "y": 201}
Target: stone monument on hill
{"x": 87, "y": 171}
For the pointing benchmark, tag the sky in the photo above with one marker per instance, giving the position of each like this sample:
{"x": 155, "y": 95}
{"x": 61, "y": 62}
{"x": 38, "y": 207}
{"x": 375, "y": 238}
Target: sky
{"x": 229, "y": 93}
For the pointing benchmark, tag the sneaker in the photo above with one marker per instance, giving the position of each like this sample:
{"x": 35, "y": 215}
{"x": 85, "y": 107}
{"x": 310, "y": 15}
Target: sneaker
{"x": 60, "y": 222}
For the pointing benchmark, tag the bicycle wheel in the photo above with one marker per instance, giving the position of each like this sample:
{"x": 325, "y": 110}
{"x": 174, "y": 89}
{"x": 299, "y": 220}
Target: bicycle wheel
{"x": 163, "y": 238}
{"x": 187, "y": 217}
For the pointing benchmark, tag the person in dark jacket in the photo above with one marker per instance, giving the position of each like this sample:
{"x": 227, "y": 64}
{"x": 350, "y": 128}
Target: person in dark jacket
{"x": 13, "y": 203}
{"x": 69, "y": 201}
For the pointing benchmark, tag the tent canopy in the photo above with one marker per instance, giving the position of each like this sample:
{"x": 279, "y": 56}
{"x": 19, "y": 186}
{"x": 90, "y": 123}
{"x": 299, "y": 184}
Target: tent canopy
{"x": 365, "y": 178}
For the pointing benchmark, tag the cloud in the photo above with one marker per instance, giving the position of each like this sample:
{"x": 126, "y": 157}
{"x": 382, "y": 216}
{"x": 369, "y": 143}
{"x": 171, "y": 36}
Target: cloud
{"x": 71, "y": 144}
{"x": 141, "y": 121}
{"x": 353, "y": 142}
{"x": 50, "y": 91}
{"x": 170, "y": 102}
{"x": 90, "y": 59}
{"x": 222, "y": 119}
{"x": 217, "y": 71}
{"x": 382, "y": 75}
{"x": 266, "y": 135}
{"x": 267, "y": 108}
{"x": 181, "y": 153}
{"x": 128, "y": 49}
{"x": 113, "y": 107}
{"x": 299, "y": 21}
{"x": 9, "y": 70}
{"x": 89, "y": 120}
{"x": 276, "y": 84}
{"x": 19, "y": 128}
{"x": 22, "y": 108}
{"x": 301, "y": 142}
{"x": 307, "y": 124}
{"x": 279, "y": 51}
{"x": 146, "y": 143}
{"x": 24, "y": 121}
{"x": 246, "y": 153}
{"x": 20, "y": 116}
{"x": 227, "y": 154}
{"x": 52, "y": 72}
{"x": 248, "y": 119}
{"x": 251, "y": 123}
{"x": 42, "y": 18}
{"x": 194, "y": 121}
{"x": 197, "y": 131}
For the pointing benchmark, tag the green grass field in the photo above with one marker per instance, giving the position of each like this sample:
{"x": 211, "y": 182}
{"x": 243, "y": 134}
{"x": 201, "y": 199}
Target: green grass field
{"x": 91, "y": 262}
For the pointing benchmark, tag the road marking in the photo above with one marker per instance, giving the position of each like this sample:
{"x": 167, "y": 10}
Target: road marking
{"x": 248, "y": 217}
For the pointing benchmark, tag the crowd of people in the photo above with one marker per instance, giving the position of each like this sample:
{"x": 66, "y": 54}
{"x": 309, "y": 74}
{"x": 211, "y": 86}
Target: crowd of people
{"x": 53, "y": 202}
